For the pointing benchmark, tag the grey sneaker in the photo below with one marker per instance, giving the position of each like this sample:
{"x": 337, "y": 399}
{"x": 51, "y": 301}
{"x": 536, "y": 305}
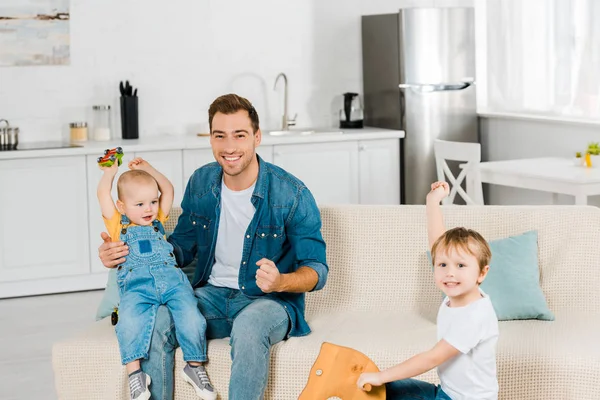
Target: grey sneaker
{"x": 138, "y": 386}
{"x": 198, "y": 378}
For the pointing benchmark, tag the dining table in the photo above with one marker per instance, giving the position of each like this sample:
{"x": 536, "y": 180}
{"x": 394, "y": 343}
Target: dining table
{"x": 550, "y": 174}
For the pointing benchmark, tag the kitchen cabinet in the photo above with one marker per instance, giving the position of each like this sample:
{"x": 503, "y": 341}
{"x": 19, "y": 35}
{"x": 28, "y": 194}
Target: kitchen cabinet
{"x": 43, "y": 219}
{"x": 329, "y": 170}
{"x": 379, "y": 171}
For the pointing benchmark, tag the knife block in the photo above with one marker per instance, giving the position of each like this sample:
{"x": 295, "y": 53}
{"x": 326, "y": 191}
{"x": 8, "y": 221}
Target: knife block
{"x": 129, "y": 118}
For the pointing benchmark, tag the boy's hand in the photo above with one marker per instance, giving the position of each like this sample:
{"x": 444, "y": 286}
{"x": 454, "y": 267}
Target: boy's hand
{"x": 112, "y": 170}
{"x": 439, "y": 190}
{"x": 369, "y": 378}
{"x": 139, "y": 163}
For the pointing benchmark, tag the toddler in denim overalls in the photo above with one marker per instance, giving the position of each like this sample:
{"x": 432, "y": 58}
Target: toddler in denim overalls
{"x": 150, "y": 276}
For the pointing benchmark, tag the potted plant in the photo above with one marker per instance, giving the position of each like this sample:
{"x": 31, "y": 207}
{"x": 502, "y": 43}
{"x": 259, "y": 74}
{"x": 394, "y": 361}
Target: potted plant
{"x": 594, "y": 151}
{"x": 578, "y": 159}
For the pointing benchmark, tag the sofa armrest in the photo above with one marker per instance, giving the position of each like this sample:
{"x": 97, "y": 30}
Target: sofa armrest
{"x": 88, "y": 365}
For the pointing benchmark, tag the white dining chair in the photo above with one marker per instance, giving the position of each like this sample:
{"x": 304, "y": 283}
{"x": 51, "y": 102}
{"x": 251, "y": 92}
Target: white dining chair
{"x": 470, "y": 155}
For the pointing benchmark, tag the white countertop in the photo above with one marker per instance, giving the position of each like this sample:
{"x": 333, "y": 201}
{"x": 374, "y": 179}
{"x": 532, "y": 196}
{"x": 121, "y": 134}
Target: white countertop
{"x": 180, "y": 142}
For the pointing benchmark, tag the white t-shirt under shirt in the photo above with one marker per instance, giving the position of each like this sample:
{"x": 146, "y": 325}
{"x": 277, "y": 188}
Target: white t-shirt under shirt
{"x": 237, "y": 211}
{"x": 472, "y": 330}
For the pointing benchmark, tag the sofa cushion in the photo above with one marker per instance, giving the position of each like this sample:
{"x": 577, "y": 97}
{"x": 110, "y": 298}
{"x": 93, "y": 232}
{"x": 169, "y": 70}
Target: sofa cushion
{"x": 535, "y": 358}
{"x": 110, "y": 299}
{"x": 513, "y": 281}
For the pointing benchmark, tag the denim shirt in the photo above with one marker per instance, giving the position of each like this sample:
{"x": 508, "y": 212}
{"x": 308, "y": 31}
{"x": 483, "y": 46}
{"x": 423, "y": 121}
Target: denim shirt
{"x": 286, "y": 229}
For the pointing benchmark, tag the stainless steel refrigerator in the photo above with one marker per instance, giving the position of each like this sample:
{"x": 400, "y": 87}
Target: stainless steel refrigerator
{"x": 418, "y": 74}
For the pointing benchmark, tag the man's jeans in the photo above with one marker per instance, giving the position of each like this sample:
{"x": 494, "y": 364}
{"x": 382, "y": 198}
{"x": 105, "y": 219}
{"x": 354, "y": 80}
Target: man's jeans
{"x": 254, "y": 326}
{"x": 413, "y": 389}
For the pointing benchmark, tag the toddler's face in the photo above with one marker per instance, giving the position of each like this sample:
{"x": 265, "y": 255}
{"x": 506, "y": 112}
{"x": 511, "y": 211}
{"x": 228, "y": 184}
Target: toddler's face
{"x": 140, "y": 203}
{"x": 457, "y": 273}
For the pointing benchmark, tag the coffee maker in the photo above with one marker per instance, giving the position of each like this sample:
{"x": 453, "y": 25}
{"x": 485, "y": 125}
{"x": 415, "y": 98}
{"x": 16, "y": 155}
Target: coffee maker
{"x": 351, "y": 114}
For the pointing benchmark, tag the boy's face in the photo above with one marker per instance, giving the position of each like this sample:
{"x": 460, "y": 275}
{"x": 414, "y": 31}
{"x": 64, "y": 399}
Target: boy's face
{"x": 140, "y": 202}
{"x": 233, "y": 141}
{"x": 457, "y": 274}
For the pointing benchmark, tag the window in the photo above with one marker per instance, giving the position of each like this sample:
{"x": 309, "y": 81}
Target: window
{"x": 541, "y": 57}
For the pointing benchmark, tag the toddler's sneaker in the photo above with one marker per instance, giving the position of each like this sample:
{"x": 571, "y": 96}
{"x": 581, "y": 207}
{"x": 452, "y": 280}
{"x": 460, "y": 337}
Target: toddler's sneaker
{"x": 138, "y": 386}
{"x": 198, "y": 378}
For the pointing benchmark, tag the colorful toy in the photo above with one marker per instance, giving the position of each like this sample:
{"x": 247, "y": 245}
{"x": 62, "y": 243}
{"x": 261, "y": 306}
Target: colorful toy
{"x": 110, "y": 156}
{"x": 335, "y": 372}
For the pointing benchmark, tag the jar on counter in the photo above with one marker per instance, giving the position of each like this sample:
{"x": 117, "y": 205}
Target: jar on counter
{"x": 9, "y": 136}
{"x": 101, "y": 124}
{"x": 79, "y": 131}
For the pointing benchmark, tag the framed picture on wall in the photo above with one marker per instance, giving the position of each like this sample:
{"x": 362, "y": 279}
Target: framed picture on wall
{"x": 34, "y": 32}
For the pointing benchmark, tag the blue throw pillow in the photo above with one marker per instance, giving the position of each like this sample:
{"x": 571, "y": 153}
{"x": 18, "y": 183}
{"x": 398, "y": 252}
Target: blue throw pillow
{"x": 513, "y": 281}
{"x": 110, "y": 300}
{"x": 111, "y": 297}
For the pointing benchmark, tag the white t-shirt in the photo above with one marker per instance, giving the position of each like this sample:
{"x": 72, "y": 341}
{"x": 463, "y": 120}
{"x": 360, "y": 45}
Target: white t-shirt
{"x": 237, "y": 211}
{"x": 472, "y": 330}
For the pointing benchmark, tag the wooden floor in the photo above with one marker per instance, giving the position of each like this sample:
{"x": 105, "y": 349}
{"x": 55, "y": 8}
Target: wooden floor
{"x": 28, "y": 327}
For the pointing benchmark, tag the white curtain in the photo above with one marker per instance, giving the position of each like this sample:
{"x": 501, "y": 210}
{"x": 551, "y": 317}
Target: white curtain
{"x": 543, "y": 57}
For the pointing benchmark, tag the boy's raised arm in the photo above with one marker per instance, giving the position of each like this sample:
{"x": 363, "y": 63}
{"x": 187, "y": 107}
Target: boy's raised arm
{"x": 435, "y": 218}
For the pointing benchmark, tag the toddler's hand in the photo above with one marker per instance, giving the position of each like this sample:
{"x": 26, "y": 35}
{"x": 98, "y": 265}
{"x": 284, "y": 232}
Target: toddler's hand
{"x": 110, "y": 170}
{"x": 439, "y": 190}
{"x": 369, "y": 378}
{"x": 139, "y": 163}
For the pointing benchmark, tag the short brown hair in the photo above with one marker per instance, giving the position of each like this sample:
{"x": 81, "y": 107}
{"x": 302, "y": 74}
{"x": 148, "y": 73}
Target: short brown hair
{"x": 466, "y": 240}
{"x": 134, "y": 175}
{"x": 230, "y": 104}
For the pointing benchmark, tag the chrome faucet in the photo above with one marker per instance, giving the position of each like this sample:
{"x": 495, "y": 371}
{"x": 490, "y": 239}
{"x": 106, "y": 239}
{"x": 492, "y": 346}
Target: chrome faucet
{"x": 285, "y": 121}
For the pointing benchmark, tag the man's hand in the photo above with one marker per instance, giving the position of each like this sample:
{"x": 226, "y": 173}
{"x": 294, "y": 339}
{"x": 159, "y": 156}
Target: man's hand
{"x": 369, "y": 378}
{"x": 268, "y": 278}
{"x": 439, "y": 190}
{"x": 112, "y": 253}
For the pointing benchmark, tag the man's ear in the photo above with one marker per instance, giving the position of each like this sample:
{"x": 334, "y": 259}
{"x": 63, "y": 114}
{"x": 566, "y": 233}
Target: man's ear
{"x": 483, "y": 274}
{"x": 257, "y": 137}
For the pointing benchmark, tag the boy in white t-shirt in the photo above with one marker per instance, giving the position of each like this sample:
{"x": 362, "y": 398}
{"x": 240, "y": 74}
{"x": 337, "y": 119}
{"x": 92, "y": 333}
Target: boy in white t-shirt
{"x": 467, "y": 326}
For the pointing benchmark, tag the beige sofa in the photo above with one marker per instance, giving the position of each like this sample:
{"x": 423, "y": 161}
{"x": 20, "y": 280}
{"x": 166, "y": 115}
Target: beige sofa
{"x": 381, "y": 300}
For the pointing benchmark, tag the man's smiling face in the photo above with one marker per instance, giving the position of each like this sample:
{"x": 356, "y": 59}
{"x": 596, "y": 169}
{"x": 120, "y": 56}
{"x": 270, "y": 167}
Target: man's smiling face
{"x": 234, "y": 142}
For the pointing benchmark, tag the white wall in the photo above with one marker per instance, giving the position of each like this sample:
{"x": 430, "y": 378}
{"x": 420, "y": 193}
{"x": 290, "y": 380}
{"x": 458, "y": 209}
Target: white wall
{"x": 183, "y": 54}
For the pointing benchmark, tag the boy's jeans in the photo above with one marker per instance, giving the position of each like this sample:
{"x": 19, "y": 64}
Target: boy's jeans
{"x": 254, "y": 326}
{"x": 413, "y": 389}
{"x": 143, "y": 289}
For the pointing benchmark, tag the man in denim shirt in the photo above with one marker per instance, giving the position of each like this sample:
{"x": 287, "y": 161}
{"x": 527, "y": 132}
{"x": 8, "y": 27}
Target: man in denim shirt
{"x": 255, "y": 231}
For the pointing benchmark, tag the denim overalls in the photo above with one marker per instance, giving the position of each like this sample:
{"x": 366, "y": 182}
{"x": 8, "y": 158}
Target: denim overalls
{"x": 148, "y": 278}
